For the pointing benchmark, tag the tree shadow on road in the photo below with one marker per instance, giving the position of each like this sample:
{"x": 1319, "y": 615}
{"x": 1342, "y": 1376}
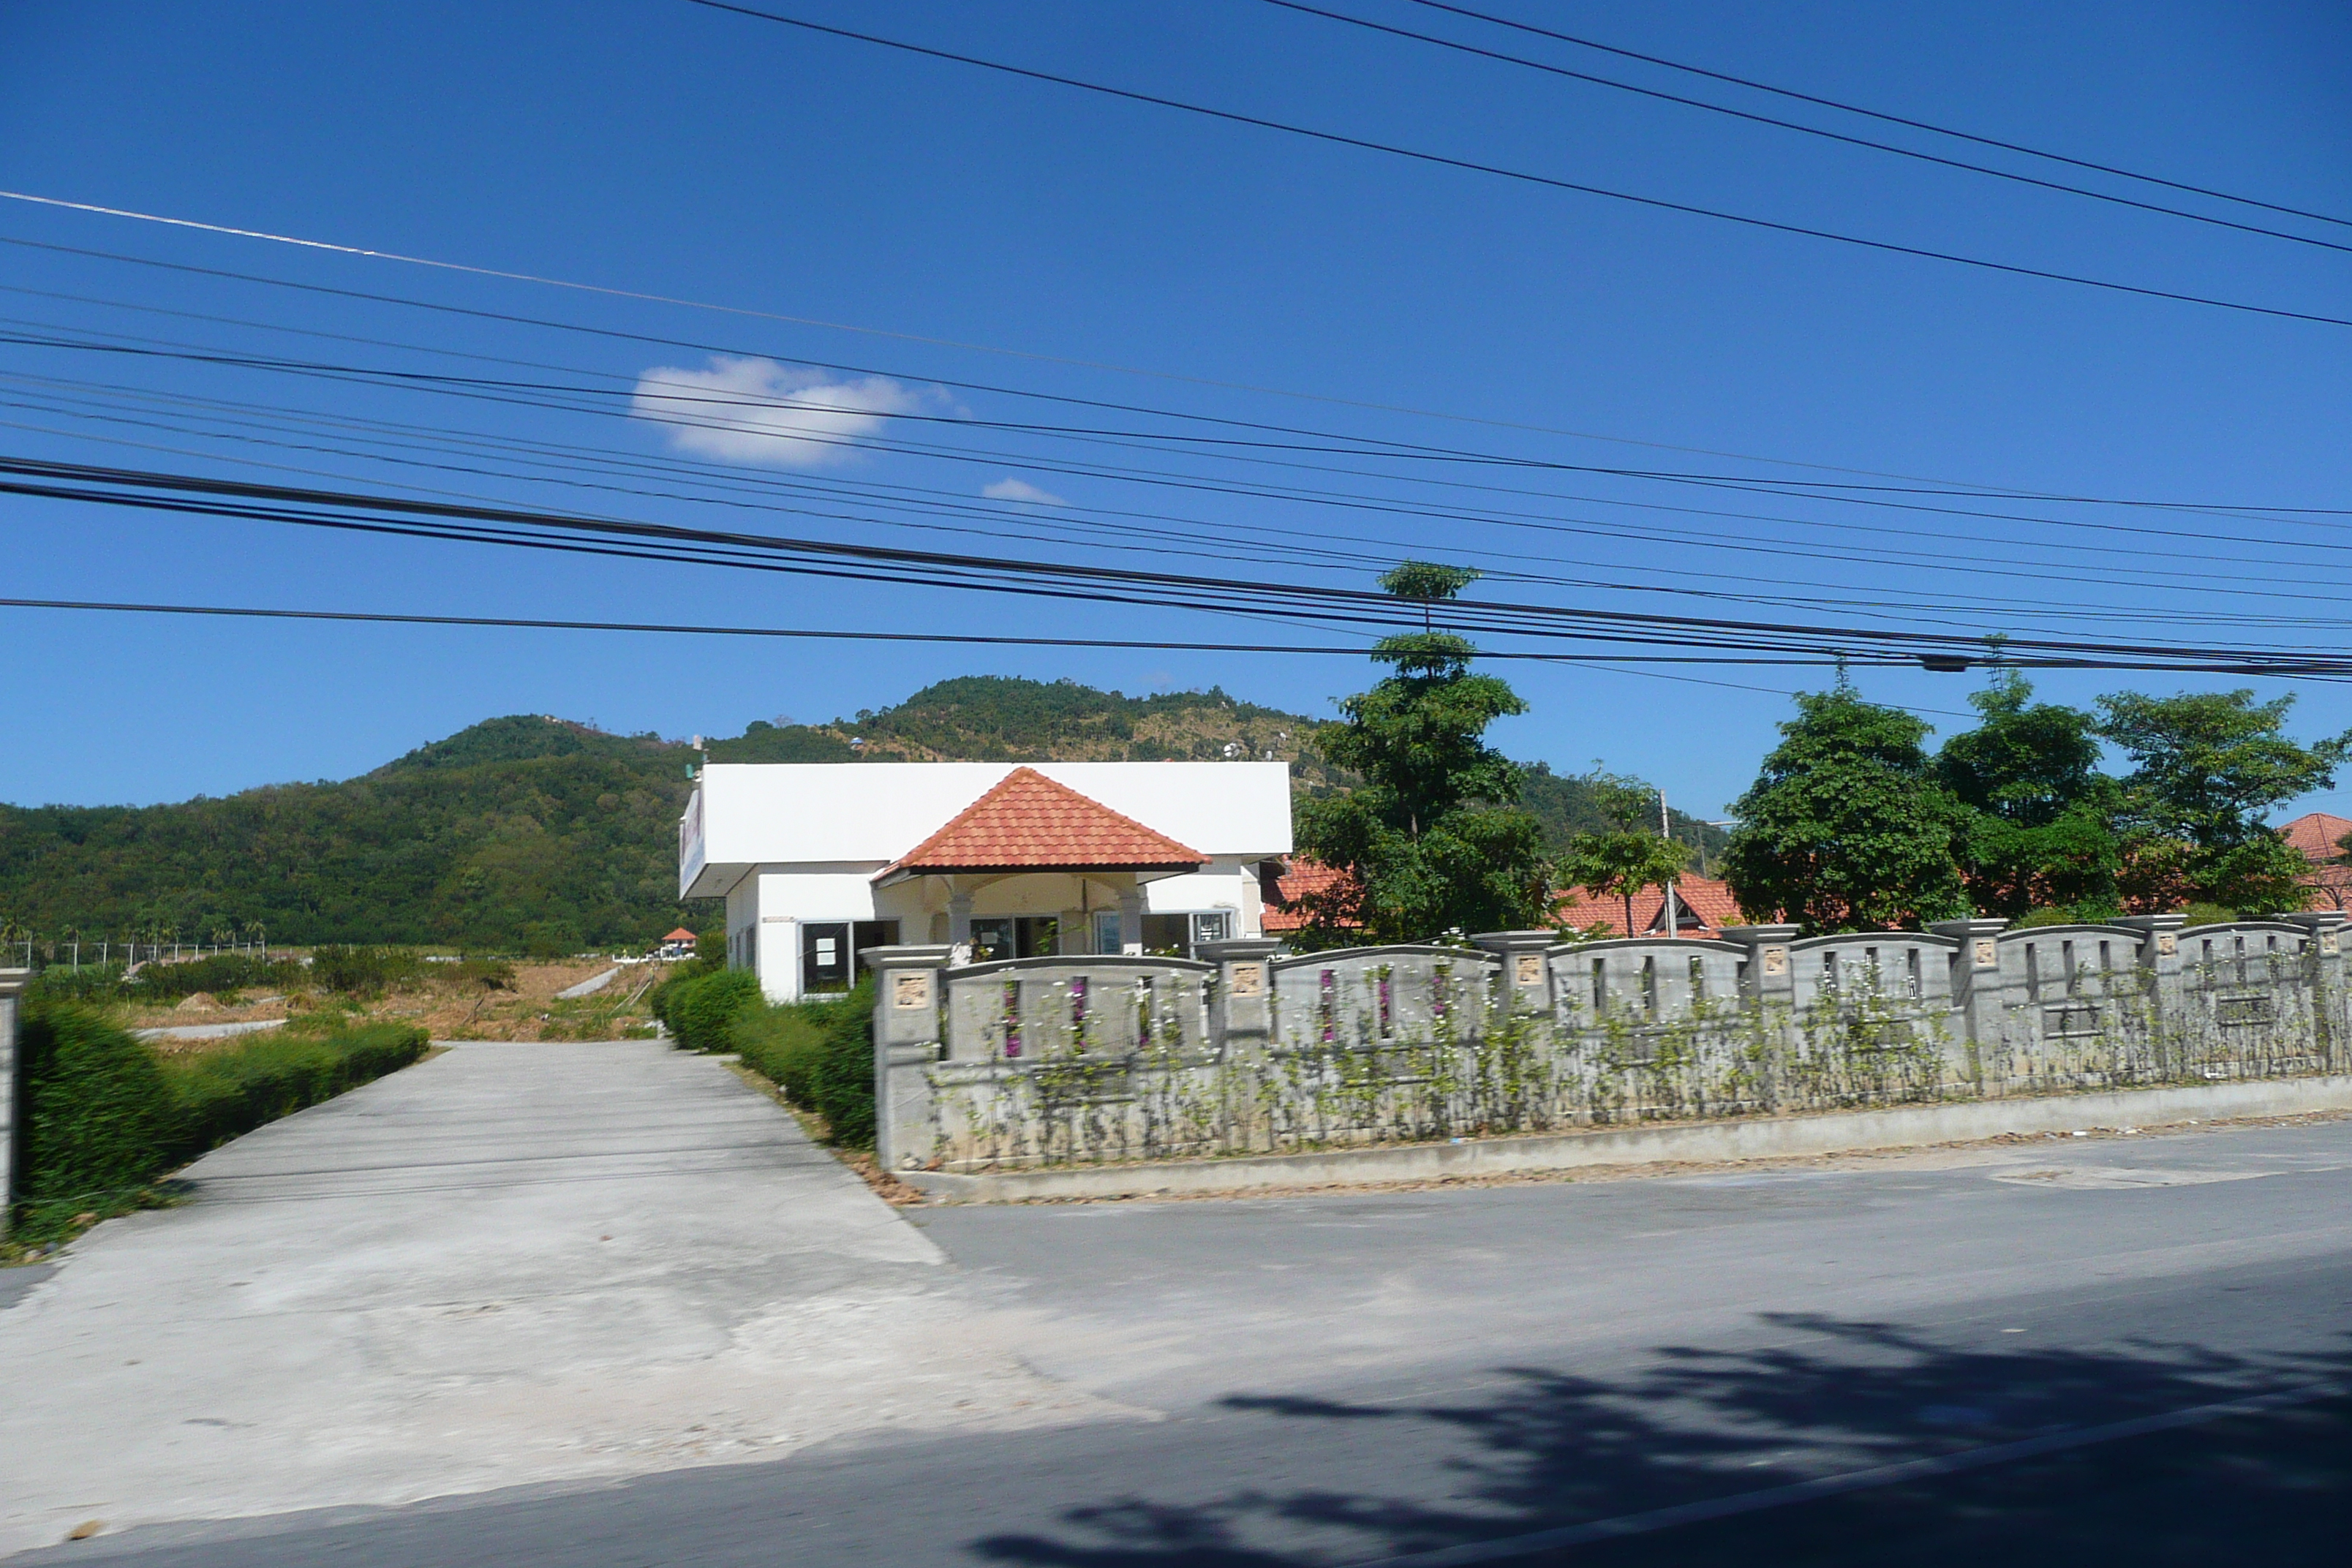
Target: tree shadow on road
{"x": 1555, "y": 1450}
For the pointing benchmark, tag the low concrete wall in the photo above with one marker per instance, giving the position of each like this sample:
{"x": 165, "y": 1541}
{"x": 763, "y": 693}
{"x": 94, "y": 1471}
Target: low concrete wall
{"x": 1762, "y": 1137}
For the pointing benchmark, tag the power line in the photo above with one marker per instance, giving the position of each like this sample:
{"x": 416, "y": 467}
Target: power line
{"x": 1763, "y": 484}
{"x": 644, "y": 540}
{"x": 1879, "y": 115}
{"x": 698, "y": 629}
{"x": 1525, "y": 176}
{"x": 1838, "y": 136}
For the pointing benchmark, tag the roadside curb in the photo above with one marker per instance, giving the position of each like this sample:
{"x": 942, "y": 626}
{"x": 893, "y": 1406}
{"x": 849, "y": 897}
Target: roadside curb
{"x": 1764, "y": 1137}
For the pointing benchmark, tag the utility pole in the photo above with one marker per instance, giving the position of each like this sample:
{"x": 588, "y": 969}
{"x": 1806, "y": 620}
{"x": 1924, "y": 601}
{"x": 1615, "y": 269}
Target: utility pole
{"x": 1666, "y": 832}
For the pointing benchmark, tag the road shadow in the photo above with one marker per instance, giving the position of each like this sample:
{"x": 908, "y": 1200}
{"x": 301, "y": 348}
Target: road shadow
{"x": 1554, "y": 1450}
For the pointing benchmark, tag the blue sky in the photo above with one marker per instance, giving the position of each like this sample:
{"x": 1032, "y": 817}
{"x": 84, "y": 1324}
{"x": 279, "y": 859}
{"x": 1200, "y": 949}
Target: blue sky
{"x": 666, "y": 149}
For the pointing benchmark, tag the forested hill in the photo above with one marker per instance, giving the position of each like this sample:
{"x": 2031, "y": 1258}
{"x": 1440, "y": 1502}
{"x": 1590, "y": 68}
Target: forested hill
{"x": 532, "y": 832}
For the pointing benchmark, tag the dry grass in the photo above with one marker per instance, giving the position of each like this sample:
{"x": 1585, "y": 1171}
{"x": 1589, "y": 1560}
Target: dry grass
{"x": 447, "y": 1008}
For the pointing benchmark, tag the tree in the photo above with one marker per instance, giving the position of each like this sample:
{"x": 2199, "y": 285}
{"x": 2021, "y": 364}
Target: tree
{"x": 1843, "y": 829}
{"x": 1433, "y": 838}
{"x": 1629, "y": 857}
{"x": 2037, "y": 826}
{"x": 2210, "y": 764}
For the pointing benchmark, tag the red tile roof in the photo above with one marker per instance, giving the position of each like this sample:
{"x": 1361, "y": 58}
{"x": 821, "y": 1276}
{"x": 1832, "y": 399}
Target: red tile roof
{"x": 1300, "y": 878}
{"x": 680, "y": 934}
{"x": 2315, "y": 835}
{"x": 1707, "y": 907}
{"x": 1030, "y": 823}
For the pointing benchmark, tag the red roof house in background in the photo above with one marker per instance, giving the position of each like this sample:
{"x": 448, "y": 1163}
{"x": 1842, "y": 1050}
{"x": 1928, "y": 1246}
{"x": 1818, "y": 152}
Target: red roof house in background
{"x": 1300, "y": 876}
{"x": 2315, "y": 835}
{"x": 1703, "y": 907}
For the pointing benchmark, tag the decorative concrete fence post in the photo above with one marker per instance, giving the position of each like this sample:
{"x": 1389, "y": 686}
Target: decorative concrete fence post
{"x": 1980, "y": 996}
{"x": 2160, "y": 957}
{"x": 1241, "y": 1012}
{"x": 1523, "y": 976}
{"x": 907, "y": 997}
{"x": 1768, "y": 984}
{"x": 11, "y": 1090}
{"x": 2330, "y": 1007}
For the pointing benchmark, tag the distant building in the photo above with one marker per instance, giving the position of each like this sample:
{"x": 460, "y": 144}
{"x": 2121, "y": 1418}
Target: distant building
{"x": 1703, "y": 907}
{"x": 818, "y": 861}
{"x": 2315, "y": 835}
{"x": 679, "y": 943}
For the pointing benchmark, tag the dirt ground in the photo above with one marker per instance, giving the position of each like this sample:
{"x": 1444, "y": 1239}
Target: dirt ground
{"x": 451, "y": 1008}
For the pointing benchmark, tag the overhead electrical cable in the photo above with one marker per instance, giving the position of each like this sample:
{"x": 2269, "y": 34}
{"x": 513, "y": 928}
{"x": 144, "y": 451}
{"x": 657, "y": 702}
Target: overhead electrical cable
{"x": 1880, "y": 115}
{"x": 197, "y": 494}
{"x": 1526, "y": 176}
{"x": 1763, "y": 484}
{"x": 1838, "y": 136}
{"x": 567, "y": 460}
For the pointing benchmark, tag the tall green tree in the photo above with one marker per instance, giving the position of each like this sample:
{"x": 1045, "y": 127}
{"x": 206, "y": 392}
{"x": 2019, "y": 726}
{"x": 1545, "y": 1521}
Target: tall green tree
{"x": 2037, "y": 826}
{"x": 1433, "y": 838}
{"x": 2210, "y": 764}
{"x": 1845, "y": 829}
{"x": 1628, "y": 856}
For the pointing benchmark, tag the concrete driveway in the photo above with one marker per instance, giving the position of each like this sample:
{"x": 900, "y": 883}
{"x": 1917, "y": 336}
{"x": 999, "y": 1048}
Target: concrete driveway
{"x": 511, "y": 1264}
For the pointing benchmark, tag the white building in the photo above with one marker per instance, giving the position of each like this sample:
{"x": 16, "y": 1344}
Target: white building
{"x": 817, "y": 860}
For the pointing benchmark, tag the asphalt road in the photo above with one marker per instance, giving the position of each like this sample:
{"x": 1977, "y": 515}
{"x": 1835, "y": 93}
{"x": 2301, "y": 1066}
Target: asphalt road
{"x": 1459, "y": 1376}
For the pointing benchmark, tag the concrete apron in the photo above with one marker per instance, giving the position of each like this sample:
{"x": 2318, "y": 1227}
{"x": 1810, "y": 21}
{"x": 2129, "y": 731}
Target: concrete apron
{"x": 1709, "y": 1142}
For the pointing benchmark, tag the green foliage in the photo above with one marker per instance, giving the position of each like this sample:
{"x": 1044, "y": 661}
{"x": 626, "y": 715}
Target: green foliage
{"x": 1843, "y": 829}
{"x": 365, "y": 971}
{"x": 222, "y": 972}
{"x": 1566, "y": 805}
{"x": 2037, "y": 819}
{"x": 701, "y": 1010}
{"x": 1433, "y": 838}
{"x": 821, "y": 1054}
{"x": 100, "y": 1118}
{"x": 2206, "y": 915}
{"x": 221, "y": 1094}
{"x": 1626, "y": 857}
{"x": 104, "y": 1117}
{"x": 2209, "y": 765}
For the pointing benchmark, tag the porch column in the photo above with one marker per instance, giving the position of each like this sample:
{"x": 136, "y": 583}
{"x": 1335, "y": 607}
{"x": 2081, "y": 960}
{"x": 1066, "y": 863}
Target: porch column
{"x": 1130, "y": 920}
{"x": 958, "y": 916}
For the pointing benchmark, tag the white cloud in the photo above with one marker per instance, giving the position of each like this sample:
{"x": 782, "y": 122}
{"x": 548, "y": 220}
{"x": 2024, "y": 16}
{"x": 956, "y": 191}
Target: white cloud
{"x": 1011, "y": 488}
{"x": 756, "y": 411}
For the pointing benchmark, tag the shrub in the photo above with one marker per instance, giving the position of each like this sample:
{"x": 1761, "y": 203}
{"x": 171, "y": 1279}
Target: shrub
{"x": 104, "y": 1117}
{"x": 821, "y": 1054}
{"x": 221, "y": 972}
{"x": 221, "y": 1094}
{"x": 92, "y": 983}
{"x": 363, "y": 971}
{"x": 2208, "y": 914}
{"x": 99, "y": 1117}
{"x": 701, "y": 1012}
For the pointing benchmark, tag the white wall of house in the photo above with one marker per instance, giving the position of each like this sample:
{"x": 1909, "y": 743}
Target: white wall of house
{"x": 789, "y": 845}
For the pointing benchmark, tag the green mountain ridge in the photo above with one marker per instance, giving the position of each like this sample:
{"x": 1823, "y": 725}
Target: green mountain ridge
{"x": 530, "y": 833}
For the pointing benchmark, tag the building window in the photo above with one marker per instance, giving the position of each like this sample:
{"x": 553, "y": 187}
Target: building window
{"x": 1107, "y": 930}
{"x": 1015, "y": 936}
{"x": 824, "y": 955}
{"x": 1179, "y": 936}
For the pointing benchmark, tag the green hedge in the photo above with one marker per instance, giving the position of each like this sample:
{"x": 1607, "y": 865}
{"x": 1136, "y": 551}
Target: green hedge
{"x": 701, "y": 1010}
{"x": 104, "y": 1116}
{"x": 821, "y": 1054}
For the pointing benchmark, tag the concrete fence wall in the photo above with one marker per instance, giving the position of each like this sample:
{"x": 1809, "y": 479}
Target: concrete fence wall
{"x": 1252, "y": 1050}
